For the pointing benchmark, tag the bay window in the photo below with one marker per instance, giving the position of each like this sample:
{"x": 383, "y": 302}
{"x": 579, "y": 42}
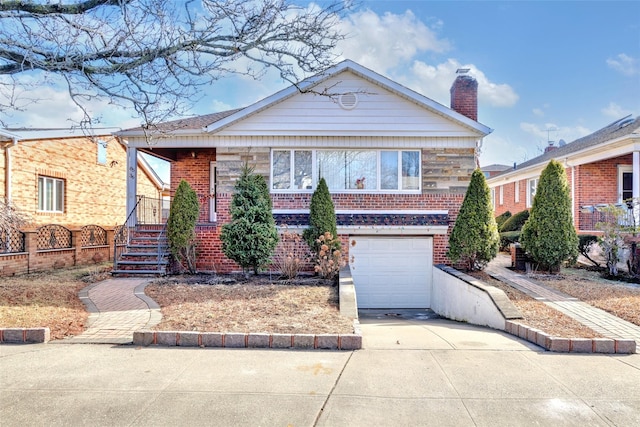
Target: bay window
{"x": 346, "y": 170}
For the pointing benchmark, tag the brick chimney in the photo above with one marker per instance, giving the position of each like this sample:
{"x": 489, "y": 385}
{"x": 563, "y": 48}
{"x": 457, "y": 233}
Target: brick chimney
{"x": 464, "y": 94}
{"x": 549, "y": 147}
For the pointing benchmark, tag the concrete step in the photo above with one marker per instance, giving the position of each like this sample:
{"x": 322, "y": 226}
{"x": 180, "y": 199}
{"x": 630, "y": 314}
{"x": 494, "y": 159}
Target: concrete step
{"x": 143, "y": 262}
{"x": 138, "y": 273}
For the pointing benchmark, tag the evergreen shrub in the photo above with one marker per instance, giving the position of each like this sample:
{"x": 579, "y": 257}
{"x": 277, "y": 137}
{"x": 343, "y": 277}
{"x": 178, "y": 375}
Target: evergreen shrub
{"x": 474, "y": 239}
{"x": 251, "y": 237}
{"x": 549, "y": 235}
{"x": 181, "y": 226}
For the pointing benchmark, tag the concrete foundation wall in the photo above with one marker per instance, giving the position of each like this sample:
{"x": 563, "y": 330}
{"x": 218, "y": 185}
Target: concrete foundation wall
{"x": 469, "y": 300}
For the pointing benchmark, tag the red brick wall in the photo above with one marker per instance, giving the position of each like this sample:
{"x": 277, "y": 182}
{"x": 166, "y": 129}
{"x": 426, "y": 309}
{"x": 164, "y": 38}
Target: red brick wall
{"x": 595, "y": 183}
{"x": 195, "y": 170}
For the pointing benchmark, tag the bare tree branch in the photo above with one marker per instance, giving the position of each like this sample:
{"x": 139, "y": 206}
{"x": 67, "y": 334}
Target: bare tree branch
{"x": 155, "y": 55}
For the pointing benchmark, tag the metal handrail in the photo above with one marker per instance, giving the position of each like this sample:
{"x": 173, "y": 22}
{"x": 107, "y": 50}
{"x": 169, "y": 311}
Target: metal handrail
{"x": 161, "y": 254}
{"x": 119, "y": 236}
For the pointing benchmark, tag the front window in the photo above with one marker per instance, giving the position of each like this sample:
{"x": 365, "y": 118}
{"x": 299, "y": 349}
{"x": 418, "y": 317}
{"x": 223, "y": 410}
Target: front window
{"x": 50, "y": 194}
{"x": 346, "y": 170}
{"x": 532, "y": 186}
{"x": 291, "y": 170}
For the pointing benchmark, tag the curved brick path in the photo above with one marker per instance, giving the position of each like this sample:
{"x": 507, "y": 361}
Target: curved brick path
{"x": 599, "y": 320}
{"x": 117, "y": 308}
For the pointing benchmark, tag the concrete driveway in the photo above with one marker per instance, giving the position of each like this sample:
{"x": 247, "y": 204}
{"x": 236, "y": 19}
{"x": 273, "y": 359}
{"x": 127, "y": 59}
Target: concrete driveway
{"x": 412, "y": 371}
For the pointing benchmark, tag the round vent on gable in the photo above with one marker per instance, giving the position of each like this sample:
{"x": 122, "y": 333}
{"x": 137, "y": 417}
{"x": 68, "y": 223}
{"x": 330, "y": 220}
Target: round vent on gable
{"x": 348, "y": 101}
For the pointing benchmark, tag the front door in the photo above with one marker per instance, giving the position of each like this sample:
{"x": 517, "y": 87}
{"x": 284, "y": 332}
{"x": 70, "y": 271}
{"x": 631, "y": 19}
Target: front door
{"x": 625, "y": 183}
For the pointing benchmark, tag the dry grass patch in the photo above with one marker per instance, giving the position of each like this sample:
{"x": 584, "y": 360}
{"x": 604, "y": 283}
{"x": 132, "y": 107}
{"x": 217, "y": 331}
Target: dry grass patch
{"x": 538, "y": 315}
{"x": 259, "y": 305}
{"x": 48, "y": 299}
{"x": 618, "y": 298}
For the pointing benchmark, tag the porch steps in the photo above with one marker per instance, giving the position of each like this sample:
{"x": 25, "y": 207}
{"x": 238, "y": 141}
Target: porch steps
{"x": 145, "y": 255}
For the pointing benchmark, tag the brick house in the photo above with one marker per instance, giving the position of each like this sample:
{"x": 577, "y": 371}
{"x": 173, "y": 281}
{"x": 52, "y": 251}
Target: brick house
{"x": 602, "y": 168}
{"x": 396, "y": 162}
{"x": 62, "y": 176}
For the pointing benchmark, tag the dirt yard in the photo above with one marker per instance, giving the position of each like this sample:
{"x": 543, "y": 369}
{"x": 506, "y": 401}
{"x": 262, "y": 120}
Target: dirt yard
{"x": 203, "y": 303}
{"x": 48, "y": 299}
{"x": 215, "y": 303}
{"x": 618, "y": 298}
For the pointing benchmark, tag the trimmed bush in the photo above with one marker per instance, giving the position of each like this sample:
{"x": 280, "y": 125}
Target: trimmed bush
{"x": 549, "y": 235}
{"x": 500, "y": 219}
{"x": 251, "y": 237}
{"x": 322, "y": 218}
{"x": 515, "y": 222}
{"x": 474, "y": 239}
{"x": 181, "y": 226}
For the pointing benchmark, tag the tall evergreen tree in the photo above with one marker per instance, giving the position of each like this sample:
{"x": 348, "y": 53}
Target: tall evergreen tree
{"x": 181, "y": 225}
{"x": 549, "y": 235}
{"x": 322, "y": 216}
{"x": 251, "y": 237}
{"x": 474, "y": 239}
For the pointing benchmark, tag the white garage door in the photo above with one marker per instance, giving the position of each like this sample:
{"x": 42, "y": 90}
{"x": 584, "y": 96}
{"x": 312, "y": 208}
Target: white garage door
{"x": 391, "y": 272}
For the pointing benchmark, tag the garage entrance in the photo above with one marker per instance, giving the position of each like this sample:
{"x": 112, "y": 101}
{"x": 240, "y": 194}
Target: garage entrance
{"x": 391, "y": 272}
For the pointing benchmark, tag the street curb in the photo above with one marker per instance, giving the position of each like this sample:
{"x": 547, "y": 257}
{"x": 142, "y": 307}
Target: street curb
{"x": 570, "y": 345}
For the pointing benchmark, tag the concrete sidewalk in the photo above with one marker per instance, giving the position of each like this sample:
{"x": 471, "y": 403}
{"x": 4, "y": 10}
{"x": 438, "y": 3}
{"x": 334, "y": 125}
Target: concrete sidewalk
{"x": 599, "y": 320}
{"x": 411, "y": 372}
{"x": 117, "y": 308}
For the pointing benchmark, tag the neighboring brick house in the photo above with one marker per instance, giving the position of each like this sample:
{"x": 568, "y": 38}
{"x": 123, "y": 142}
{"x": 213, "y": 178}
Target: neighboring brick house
{"x": 61, "y": 176}
{"x": 602, "y": 168}
{"x": 396, "y": 162}
{"x": 493, "y": 170}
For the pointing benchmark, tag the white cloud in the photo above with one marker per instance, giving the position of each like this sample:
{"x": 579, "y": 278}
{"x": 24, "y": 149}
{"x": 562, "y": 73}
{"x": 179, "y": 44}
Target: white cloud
{"x": 382, "y": 42}
{"x": 538, "y": 112}
{"x": 625, "y": 64}
{"x": 435, "y": 82}
{"x": 494, "y": 148}
{"x": 615, "y": 111}
{"x": 552, "y": 132}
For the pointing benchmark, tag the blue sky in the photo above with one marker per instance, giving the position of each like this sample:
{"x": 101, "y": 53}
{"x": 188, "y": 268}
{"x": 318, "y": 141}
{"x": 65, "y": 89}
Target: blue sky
{"x": 547, "y": 70}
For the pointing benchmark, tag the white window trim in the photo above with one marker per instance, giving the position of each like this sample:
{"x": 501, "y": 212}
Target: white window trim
{"x": 54, "y": 196}
{"x": 529, "y": 198}
{"x": 316, "y": 178}
{"x": 622, "y": 169}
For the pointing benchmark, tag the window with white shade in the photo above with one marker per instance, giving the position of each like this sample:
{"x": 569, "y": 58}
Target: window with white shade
{"x": 50, "y": 194}
{"x": 346, "y": 170}
{"x": 532, "y": 186}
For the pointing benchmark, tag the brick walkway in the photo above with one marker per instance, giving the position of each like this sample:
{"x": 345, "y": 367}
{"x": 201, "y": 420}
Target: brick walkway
{"x": 599, "y": 320}
{"x": 117, "y": 308}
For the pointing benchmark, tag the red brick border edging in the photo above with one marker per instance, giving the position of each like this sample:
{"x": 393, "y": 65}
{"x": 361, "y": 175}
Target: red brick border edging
{"x": 570, "y": 345}
{"x": 24, "y": 335}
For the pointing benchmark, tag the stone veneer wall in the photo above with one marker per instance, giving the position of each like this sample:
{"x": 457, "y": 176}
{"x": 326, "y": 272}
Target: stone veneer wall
{"x": 445, "y": 173}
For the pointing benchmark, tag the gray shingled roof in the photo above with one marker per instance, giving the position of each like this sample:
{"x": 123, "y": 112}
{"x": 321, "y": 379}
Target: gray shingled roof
{"x": 495, "y": 168}
{"x": 615, "y": 130}
{"x": 191, "y": 123}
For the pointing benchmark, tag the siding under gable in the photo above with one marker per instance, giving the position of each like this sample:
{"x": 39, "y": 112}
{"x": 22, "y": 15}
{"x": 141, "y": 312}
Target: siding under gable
{"x": 379, "y": 112}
